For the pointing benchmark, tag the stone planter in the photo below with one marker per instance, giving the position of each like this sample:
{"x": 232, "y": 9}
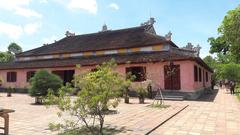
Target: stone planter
{"x": 38, "y": 100}
{"x": 9, "y": 94}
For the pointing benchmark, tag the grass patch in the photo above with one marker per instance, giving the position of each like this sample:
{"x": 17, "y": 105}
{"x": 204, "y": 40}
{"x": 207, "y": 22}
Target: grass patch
{"x": 85, "y": 131}
{"x": 158, "y": 106}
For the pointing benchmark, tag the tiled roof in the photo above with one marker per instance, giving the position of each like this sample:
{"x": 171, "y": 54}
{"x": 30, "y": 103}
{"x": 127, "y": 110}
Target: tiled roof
{"x": 94, "y": 60}
{"x": 112, "y": 39}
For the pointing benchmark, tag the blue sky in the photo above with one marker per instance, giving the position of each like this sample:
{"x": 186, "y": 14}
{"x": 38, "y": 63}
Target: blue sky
{"x": 31, "y": 23}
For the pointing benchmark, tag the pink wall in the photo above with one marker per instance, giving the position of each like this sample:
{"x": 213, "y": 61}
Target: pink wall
{"x": 198, "y": 84}
{"x": 155, "y": 72}
{"x": 22, "y": 77}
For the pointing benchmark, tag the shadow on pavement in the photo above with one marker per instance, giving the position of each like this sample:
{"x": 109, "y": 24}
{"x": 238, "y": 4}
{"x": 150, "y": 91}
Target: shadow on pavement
{"x": 208, "y": 97}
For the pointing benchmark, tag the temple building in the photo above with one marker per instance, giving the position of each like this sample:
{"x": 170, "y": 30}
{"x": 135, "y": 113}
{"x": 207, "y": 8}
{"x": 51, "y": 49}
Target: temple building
{"x": 138, "y": 50}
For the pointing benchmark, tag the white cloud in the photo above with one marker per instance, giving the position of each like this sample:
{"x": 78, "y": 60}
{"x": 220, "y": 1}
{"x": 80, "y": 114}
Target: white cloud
{"x": 114, "y": 6}
{"x": 27, "y": 12}
{"x": 12, "y": 4}
{"x": 16, "y": 31}
{"x": 43, "y": 1}
{"x": 87, "y": 5}
{"x": 19, "y": 7}
{"x": 31, "y": 28}
{"x": 11, "y": 30}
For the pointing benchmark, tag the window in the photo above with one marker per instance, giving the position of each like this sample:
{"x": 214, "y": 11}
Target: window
{"x": 30, "y": 74}
{"x": 195, "y": 73}
{"x": 138, "y": 72}
{"x": 200, "y": 75}
{"x": 206, "y": 76}
{"x": 11, "y": 76}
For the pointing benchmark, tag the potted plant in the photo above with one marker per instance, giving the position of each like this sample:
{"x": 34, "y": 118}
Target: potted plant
{"x": 142, "y": 93}
{"x": 9, "y": 91}
{"x": 42, "y": 81}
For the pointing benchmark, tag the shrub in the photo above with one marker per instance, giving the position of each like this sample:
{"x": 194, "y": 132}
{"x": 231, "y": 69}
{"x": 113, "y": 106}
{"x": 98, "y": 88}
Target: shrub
{"x": 142, "y": 89}
{"x": 100, "y": 90}
{"x": 43, "y": 81}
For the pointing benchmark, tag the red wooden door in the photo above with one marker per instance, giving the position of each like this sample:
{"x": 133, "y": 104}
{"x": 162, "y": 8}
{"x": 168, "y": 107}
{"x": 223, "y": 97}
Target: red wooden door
{"x": 172, "y": 78}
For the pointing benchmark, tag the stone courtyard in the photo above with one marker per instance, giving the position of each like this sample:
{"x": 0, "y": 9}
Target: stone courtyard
{"x": 216, "y": 114}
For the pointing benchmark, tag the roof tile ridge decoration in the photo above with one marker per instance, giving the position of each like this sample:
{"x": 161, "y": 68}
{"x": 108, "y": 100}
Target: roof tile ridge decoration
{"x": 110, "y": 31}
{"x": 150, "y": 29}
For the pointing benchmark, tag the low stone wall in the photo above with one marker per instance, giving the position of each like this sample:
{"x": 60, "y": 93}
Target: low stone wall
{"x": 187, "y": 95}
{"x": 15, "y": 90}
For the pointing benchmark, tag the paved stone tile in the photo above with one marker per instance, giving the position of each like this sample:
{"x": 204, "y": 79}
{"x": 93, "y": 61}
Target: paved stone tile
{"x": 31, "y": 119}
{"x": 217, "y": 117}
{"x": 221, "y": 116}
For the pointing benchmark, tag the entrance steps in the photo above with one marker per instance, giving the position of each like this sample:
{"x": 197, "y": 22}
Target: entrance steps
{"x": 173, "y": 95}
{"x": 176, "y": 98}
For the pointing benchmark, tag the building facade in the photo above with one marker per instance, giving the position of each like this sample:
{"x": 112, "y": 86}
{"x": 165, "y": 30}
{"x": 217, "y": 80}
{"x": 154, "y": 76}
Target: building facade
{"x": 138, "y": 50}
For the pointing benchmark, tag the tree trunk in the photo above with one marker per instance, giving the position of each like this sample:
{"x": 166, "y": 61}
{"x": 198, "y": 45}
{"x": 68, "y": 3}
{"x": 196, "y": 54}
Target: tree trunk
{"x": 141, "y": 100}
{"x": 101, "y": 120}
{"x": 126, "y": 100}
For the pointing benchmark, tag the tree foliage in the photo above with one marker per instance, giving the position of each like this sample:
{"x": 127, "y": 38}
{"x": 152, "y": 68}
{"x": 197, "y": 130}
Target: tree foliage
{"x": 229, "y": 36}
{"x": 6, "y": 57}
{"x": 100, "y": 90}
{"x": 42, "y": 81}
{"x": 14, "y": 48}
{"x": 228, "y": 71}
{"x": 9, "y": 55}
{"x": 210, "y": 61}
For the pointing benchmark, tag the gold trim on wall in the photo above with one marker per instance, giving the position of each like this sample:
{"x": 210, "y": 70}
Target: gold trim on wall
{"x": 157, "y": 47}
{"x": 121, "y": 50}
{"x": 66, "y": 55}
{"x": 87, "y": 53}
{"x": 102, "y": 52}
{"x": 99, "y": 52}
{"x": 135, "y": 49}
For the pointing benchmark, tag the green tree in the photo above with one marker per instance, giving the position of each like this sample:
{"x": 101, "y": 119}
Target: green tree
{"x": 14, "y": 48}
{"x": 228, "y": 71}
{"x": 42, "y": 81}
{"x": 210, "y": 61}
{"x": 229, "y": 36}
{"x": 6, "y": 57}
{"x": 100, "y": 90}
{"x": 9, "y": 55}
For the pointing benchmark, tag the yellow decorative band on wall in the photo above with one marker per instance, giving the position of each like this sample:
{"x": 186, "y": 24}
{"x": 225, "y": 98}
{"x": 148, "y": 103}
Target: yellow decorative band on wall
{"x": 99, "y": 52}
{"x": 135, "y": 49}
{"x": 87, "y": 53}
{"x": 121, "y": 50}
{"x": 102, "y": 52}
{"x": 157, "y": 47}
{"x": 56, "y": 56}
{"x": 66, "y": 55}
